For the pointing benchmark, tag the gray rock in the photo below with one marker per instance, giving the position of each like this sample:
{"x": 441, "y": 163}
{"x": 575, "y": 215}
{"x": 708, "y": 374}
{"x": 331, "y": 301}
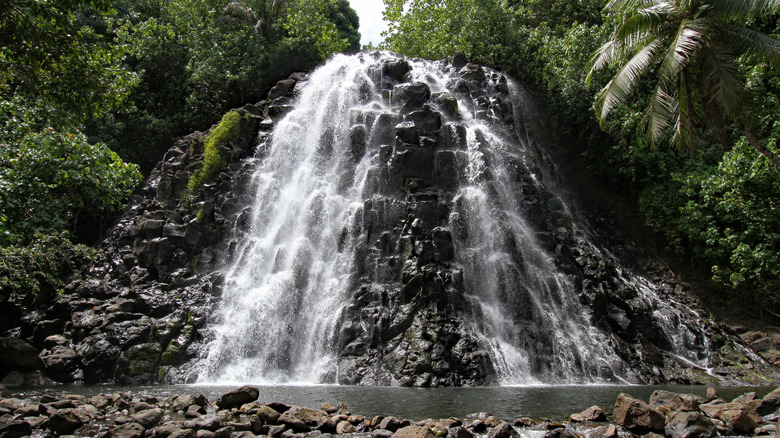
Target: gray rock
{"x": 238, "y": 397}
{"x": 689, "y": 425}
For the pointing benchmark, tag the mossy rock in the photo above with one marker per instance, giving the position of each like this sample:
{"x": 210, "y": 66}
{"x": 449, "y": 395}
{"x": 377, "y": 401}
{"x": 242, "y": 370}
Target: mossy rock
{"x": 139, "y": 363}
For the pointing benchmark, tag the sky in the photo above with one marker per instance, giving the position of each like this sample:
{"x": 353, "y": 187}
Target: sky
{"x": 371, "y": 23}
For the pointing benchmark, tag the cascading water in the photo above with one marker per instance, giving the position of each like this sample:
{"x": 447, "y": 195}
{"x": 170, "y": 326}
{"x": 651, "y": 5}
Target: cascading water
{"x": 400, "y": 228}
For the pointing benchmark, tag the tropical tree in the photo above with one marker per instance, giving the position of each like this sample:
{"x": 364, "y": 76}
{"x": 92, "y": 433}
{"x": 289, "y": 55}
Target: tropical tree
{"x": 692, "y": 46}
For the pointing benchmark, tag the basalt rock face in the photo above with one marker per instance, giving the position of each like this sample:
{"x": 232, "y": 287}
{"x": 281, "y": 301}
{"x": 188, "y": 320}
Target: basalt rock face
{"x": 383, "y": 221}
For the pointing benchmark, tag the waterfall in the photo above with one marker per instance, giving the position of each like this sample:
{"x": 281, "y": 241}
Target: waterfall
{"x": 338, "y": 227}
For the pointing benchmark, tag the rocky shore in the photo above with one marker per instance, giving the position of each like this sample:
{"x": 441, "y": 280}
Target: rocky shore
{"x": 239, "y": 414}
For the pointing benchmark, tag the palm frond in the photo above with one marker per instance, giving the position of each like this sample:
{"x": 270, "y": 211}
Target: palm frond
{"x": 722, "y": 81}
{"x": 644, "y": 24}
{"x": 744, "y": 8}
{"x": 624, "y": 6}
{"x": 605, "y": 55}
{"x": 660, "y": 115}
{"x": 687, "y": 41}
{"x": 752, "y": 43}
{"x": 622, "y": 84}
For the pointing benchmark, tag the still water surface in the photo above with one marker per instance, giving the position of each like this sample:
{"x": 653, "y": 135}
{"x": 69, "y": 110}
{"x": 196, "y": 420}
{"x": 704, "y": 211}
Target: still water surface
{"x": 556, "y": 402}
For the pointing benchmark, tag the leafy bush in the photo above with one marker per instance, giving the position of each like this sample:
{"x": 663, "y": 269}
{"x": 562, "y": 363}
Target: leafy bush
{"x": 33, "y": 274}
{"x": 732, "y": 218}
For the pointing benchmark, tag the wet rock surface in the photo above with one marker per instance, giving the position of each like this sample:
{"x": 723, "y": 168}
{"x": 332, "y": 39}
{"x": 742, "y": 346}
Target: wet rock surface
{"x": 129, "y": 415}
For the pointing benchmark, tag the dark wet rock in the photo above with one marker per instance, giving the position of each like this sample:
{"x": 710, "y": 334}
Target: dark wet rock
{"x": 31, "y": 410}
{"x": 503, "y": 430}
{"x": 238, "y": 397}
{"x": 458, "y": 60}
{"x": 60, "y": 362}
{"x": 390, "y": 423}
{"x": 65, "y": 422}
{"x": 689, "y": 425}
{"x": 17, "y": 355}
{"x": 194, "y": 411}
{"x": 411, "y": 96}
{"x": 13, "y": 428}
{"x": 770, "y": 403}
{"x": 459, "y": 432}
{"x": 563, "y": 433}
{"x": 636, "y": 415}
{"x": 396, "y": 69}
{"x": 283, "y": 88}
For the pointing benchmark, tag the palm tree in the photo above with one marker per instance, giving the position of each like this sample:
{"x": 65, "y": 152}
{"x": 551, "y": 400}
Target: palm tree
{"x": 692, "y": 46}
{"x": 261, "y": 14}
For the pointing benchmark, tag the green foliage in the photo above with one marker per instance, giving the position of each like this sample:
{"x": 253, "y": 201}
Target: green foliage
{"x": 33, "y": 274}
{"x": 54, "y": 180}
{"x": 214, "y": 158}
{"x": 49, "y": 55}
{"x": 196, "y": 59}
{"x": 732, "y": 217}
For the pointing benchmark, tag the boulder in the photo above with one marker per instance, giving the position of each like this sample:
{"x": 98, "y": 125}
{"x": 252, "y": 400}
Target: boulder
{"x": 411, "y": 96}
{"x": 502, "y": 430}
{"x": 13, "y": 428}
{"x": 637, "y": 416}
{"x": 396, "y": 69}
{"x": 593, "y": 413}
{"x": 128, "y": 430}
{"x": 459, "y": 432}
{"x": 770, "y": 403}
{"x": 293, "y": 422}
{"x": 689, "y": 425}
{"x": 238, "y": 397}
{"x": 60, "y": 362}
{"x": 17, "y": 355}
{"x": 189, "y": 433}
{"x": 148, "y": 418}
{"x": 267, "y": 414}
{"x": 390, "y": 423}
{"x": 563, "y": 432}
{"x": 414, "y": 432}
{"x": 676, "y": 402}
{"x": 345, "y": 427}
{"x": 65, "y": 422}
